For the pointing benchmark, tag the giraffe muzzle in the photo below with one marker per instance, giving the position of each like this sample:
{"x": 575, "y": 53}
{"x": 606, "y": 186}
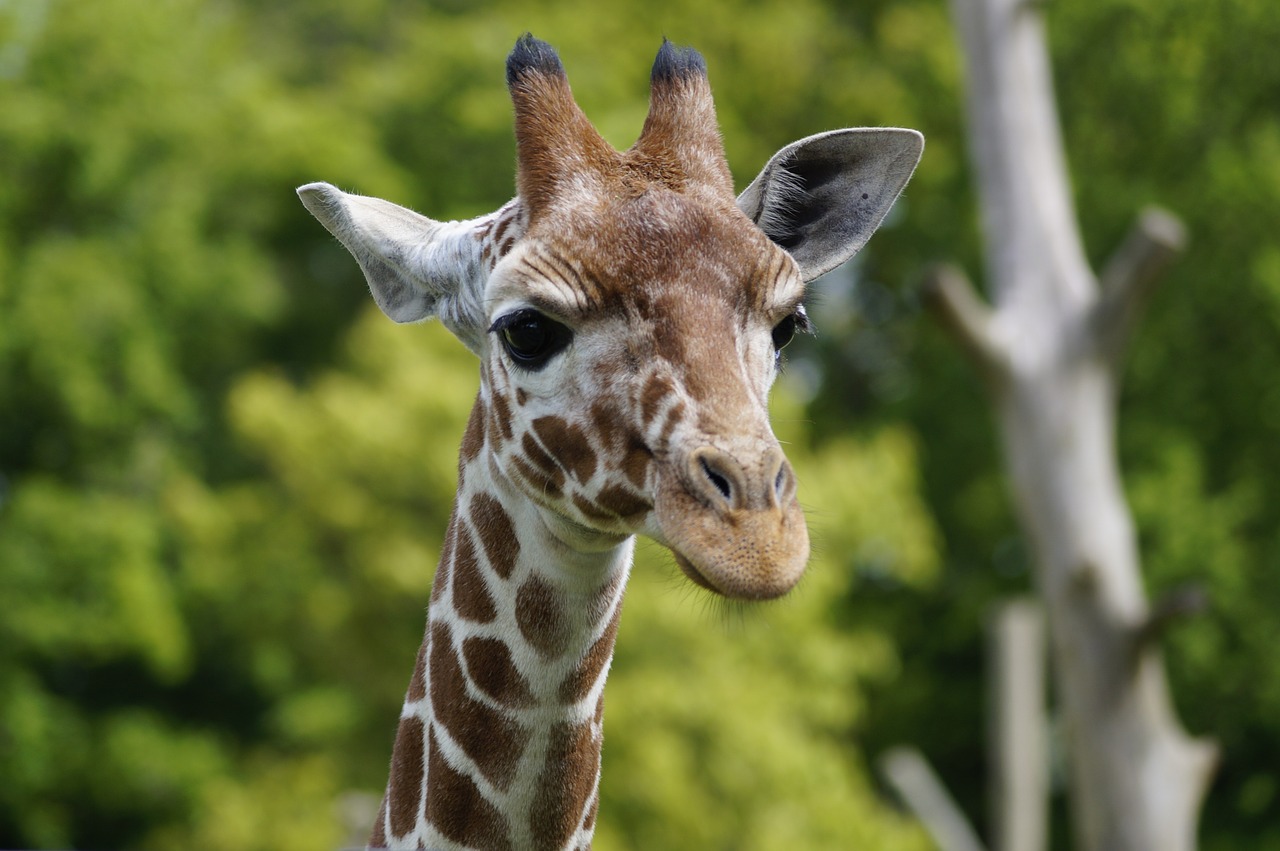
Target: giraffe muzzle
{"x": 735, "y": 526}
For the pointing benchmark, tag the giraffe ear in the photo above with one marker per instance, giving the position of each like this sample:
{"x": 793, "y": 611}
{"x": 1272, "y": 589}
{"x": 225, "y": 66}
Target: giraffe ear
{"x": 416, "y": 267}
{"x": 822, "y": 197}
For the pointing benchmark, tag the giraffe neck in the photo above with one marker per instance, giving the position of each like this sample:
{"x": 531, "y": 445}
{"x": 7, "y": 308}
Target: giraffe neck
{"x": 500, "y": 735}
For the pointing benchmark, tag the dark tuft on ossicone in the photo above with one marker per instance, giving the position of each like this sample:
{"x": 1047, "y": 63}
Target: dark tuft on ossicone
{"x": 532, "y": 55}
{"x": 677, "y": 63}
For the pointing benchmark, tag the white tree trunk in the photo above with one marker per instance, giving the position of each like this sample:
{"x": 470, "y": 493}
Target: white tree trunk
{"x": 1050, "y": 349}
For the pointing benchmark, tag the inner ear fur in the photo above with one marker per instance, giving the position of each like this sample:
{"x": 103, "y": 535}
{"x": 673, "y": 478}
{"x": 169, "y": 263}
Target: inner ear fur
{"x": 822, "y": 197}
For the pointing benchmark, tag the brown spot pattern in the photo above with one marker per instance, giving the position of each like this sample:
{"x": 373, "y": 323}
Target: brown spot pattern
{"x": 497, "y": 533}
{"x": 500, "y": 231}
{"x": 591, "y": 510}
{"x": 458, "y": 810}
{"x": 491, "y": 669}
{"x": 501, "y": 417}
{"x": 404, "y": 789}
{"x": 491, "y": 740}
{"x": 605, "y": 418}
{"x": 535, "y": 479}
{"x": 577, "y": 685}
{"x": 568, "y": 780}
{"x": 438, "y": 584}
{"x": 635, "y": 464}
{"x": 473, "y": 437}
{"x": 655, "y": 393}
{"x": 471, "y": 598}
{"x": 418, "y": 684}
{"x": 622, "y": 501}
{"x": 541, "y": 461}
{"x": 541, "y": 617}
{"x": 673, "y": 419}
{"x": 568, "y": 444}
{"x": 486, "y": 245}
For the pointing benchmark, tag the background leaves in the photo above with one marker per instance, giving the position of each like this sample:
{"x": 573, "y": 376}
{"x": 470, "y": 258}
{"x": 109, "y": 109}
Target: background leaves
{"x": 224, "y": 476}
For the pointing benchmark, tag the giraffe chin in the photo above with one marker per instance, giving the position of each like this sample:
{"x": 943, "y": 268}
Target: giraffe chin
{"x": 759, "y": 556}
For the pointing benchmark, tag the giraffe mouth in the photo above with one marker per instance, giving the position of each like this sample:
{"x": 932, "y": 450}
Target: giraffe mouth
{"x": 695, "y": 576}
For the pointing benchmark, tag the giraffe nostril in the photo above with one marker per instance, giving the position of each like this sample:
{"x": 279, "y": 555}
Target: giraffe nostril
{"x": 784, "y": 483}
{"x": 721, "y": 483}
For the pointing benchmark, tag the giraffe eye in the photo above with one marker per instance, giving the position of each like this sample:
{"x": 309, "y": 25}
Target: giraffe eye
{"x": 785, "y": 331}
{"x": 530, "y": 338}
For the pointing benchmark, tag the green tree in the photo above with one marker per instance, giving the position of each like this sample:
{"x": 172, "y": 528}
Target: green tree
{"x": 144, "y": 215}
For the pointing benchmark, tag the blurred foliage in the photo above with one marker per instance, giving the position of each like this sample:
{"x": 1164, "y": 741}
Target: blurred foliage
{"x": 224, "y": 477}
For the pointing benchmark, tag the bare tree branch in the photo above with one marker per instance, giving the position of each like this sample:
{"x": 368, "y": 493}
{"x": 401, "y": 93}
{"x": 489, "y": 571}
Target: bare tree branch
{"x": 1130, "y": 277}
{"x": 915, "y": 781}
{"x": 949, "y": 294}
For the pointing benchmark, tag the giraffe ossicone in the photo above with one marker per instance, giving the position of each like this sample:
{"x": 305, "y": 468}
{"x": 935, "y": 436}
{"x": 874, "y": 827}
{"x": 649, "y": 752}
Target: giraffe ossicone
{"x": 629, "y": 315}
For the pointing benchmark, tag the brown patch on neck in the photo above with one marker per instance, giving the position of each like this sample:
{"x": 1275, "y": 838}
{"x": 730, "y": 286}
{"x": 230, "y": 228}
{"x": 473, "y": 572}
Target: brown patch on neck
{"x": 592, "y": 511}
{"x": 473, "y": 437}
{"x": 440, "y": 582}
{"x": 540, "y": 460}
{"x": 497, "y": 533}
{"x": 494, "y": 673}
{"x": 536, "y": 480}
{"x": 623, "y": 502}
{"x": 471, "y": 597}
{"x": 418, "y": 684}
{"x": 635, "y": 464}
{"x": 491, "y": 740}
{"x": 499, "y": 421}
{"x": 404, "y": 789}
{"x": 457, "y": 809}
{"x": 567, "y": 784}
{"x": 577, "y": 685}
{"x": 540, "y": 616}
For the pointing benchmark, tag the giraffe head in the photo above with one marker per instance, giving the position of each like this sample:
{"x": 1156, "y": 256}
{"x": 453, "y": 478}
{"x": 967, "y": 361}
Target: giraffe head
{"x": 629, "y": 313}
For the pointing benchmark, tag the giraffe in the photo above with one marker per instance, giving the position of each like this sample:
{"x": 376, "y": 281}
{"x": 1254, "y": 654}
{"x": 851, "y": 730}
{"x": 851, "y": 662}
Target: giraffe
{"x": 629, "y": 315}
